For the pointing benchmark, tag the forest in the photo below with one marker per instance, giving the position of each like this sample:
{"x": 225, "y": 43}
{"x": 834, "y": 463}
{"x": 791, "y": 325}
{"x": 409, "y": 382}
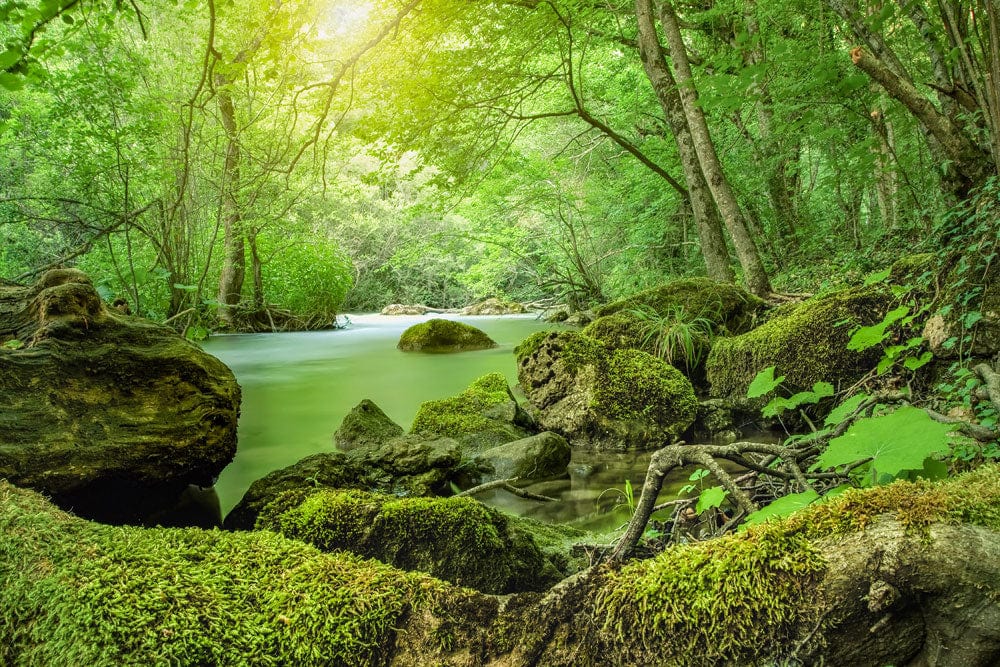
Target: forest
{"x": 784, "y": 214}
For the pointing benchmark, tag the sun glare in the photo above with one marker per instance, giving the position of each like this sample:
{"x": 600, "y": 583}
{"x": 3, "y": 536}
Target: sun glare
{"x": 343, "y": 18}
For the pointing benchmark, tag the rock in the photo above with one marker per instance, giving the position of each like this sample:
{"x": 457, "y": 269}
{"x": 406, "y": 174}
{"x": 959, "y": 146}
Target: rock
{"x": 405, "y": 466}
{"x": 365, "y": 426}
{"x": 978, "y": 320}
{"x": 405, "y": 309}
{"x": 715, "y": 419}
{"x": 806, "y": 342}
{"x": 580, "y": 318}
{"x": 110, "y": 415}
{"x": 729, "y": 308}
{"x": 607, "y": 400}
{"x": 483, "y": 416}
{"x": 494, "y": 306}
{"x": 537, "y": 457}
{"x": 459, "y": 540}
{"x": 438, "y": 335}
{"x": 557, "y": 314}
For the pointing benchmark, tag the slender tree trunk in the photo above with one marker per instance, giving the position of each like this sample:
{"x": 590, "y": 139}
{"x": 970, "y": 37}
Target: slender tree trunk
{"x": 706, "y": 217}
{"x": 886, "y": 185}
{"x": 755, "y": 275}
{"x": 256, "y": 270}
{"x": 234, "y": 249}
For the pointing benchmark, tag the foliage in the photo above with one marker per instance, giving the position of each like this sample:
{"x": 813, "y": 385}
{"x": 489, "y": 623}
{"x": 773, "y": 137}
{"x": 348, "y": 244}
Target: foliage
{"x": 675, "y": 336}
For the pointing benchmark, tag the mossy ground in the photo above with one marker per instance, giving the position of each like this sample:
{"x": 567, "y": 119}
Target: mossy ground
{"x": 806, "y": 344}
{"x": 456, "y": 539}
{"x": 79, "y": 593}
{"x": 438, "y": 335}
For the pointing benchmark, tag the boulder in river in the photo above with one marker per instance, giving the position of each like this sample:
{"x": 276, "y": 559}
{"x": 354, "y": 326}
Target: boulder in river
{"x": 539, "y": 456}
{"x": 110, "y": 415}
{"x": 440, "y": 335}
{"x": 366, "y": 425}
{"x": 485, "y": 415}
{"x": 410, "y": 465}
{"x": 601, "y": 399}
{"x": 456, "y": 539}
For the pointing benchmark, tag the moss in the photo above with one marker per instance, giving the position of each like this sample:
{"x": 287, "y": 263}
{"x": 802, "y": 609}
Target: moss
{"x": 530, "y": 345}
{"x": 437, "y": 335}
{"x": 79, "y": 593}
{"x": 462, "y": 415}
{"x": 724, "y": 304}
{"x": 973, "y": 498}
{"x": 906, "y": 270}
{"x": 456, "y": 539}
{"x": 807, "y": 344}
{"x": 758, "y": 586}
{"x": 573, "y": 349}
{"x": 618, "y": 331}
{"x": 635, "y": 385}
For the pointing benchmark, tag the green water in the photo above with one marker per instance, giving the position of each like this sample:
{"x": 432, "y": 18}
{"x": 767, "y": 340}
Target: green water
{"x": 297, "y": 387}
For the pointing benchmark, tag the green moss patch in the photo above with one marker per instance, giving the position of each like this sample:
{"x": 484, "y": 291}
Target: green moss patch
{"x": 807, "y": 344}
{"x": 438, "y": 335}
{"x": 635, "y": 385}
{"x": 456, "y": 539}
{"x": 620, "y": 330}
{"x": 724, "y": 304}
{"x": 726, "y": 600}
{"x": 79, "y": 593}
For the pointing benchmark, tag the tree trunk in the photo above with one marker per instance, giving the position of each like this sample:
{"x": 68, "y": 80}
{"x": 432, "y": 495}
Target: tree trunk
{"x": 755, "y": 275}
{"x": 886, "y": 185}
{"x": 234, "y": 249}
{"x": 707, "y": 222}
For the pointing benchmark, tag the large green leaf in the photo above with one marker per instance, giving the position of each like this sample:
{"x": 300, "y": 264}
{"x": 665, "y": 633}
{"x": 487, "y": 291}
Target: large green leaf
{"x": 867, "y": 337}
{"x": 898, "y": 441}
{"x": 710, "y": 497}
{"x": 764, "y": 383}
{"x": 845, "y": 409}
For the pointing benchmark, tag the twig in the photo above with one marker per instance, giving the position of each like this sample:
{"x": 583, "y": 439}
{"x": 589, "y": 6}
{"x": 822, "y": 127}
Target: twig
{"x": 506, "y": 485}
{"x": 980, "y": 433}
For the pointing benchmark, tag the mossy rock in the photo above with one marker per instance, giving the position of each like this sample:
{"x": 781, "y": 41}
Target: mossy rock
{"x": 366, "y": 425}
{"x": 485, "y": 415}
{"x": 456, "y": 539}
{"x": 110, "y": 415}
{"x": 438, "y": 335}
{"x": 600, "y": 398}
{"x": 621, "y": 330}
{"x": 724, "y": 304}
{"x": 806, "y": 344}
{"x": 81, "y": 593}
{"x": 536, "y": 457}
{"x": 410, "y": 465}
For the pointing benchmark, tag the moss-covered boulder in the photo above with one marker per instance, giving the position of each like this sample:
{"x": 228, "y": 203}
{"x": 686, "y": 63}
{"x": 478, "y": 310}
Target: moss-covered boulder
{"x": 456, "y": 539}
{"x": 410, "y": 465}
{"x": 536, "y": 457}
{"x": 610, "y": 400}
{"x": 807, "y": 343}
{"x": 110, "y": 415}
{"x": 366, "y": 425}
{"x": 724, "y": 304}
{"x": 483, "y": 416}
{"x": 494, "y": 306}
{"x": 438, "y": 335}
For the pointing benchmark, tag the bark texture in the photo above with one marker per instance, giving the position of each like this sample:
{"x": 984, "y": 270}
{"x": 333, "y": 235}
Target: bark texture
{"x": 112, "y": 416}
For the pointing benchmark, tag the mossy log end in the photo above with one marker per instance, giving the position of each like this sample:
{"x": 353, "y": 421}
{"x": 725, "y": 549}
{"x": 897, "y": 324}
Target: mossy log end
{"x": 110, "y": 415}
{"x": 905, "y": 574}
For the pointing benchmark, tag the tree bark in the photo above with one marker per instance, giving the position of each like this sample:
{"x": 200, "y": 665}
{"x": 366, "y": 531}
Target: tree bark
{"x": 707, "y": 222}
{"x": 755, "y": 275}
{"x": 971, "y": 163}
{"x": 234, "y": 247}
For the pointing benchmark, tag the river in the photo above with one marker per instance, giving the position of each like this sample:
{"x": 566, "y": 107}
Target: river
{"x": 297, "y": 387}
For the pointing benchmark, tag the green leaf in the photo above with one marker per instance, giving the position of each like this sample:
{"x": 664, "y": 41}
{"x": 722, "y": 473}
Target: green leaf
{"x": 698, "y": 474}
{"x": 841, "y": 412}
{"x": 820, "y": 391}
{"x": 781, "y": 507}
{"x": 898, "y": 441}
{"x": 764, "y": 383}
{"x": 970, "y": 319}
{"x": 913, "y": 363}
{"x": 876, "y": 277}
{"x": 13, "y": 344}
{"x": 710, "y": 497}
{"x": 866, "y": 337}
